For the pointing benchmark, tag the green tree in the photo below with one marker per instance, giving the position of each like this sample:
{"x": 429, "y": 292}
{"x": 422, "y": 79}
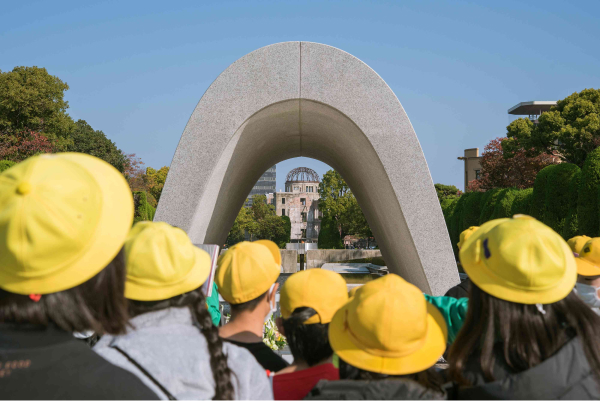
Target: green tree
{"x": 244, "y": 221}
{"x": 32, "y": 99}
{"x": 329, "y": 237}
{"x": 93, "y": 142}
{"x": 6, "y": 164}
{"x": 446, "y": 191}
{"x": 570, "y": 130}
{"x": 155, "y": 180}
{"x": 587, "y": 201}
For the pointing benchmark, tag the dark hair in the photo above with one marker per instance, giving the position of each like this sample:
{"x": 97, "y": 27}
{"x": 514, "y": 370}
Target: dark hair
{"x": 525, "y": 336}
{"x": 248, "y": 305}
{"x": 428, "y": 378}
{"x": 196, "y": 302}
{"x": 308, "y": 342}
{"x": 98, "y": 304}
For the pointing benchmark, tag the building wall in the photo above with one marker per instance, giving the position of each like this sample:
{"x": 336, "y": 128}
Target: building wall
{"x": 472, "y": 165}
{"x": 301, "y": 205}
{"x": 264, "y": 185}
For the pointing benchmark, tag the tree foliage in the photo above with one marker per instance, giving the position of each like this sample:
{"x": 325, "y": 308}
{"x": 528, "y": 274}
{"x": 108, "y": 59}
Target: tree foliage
{"x": 23, "y": 144}
{"x": 338, "y": 203}
{"x": 570, "y": 130}
{"x": 587, "y": 201}
{"x": 6, "y": 164}
{"x": 33, "y": 100}
{"x": 260, "y": 222}
{"x": 329, "y": 237}
{"x": 93, "y": 142}
{"x": 518, "y": 171}
{"x": 446, "y": 191}
{"x": 155, "y": 180}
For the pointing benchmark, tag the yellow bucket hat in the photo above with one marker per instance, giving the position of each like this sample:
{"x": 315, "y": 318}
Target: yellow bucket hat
{"x": 162, "y": 262}
{"x": 388, "y": 327}
{"x": 465, "y": 235}
{"x": 247, "y": 270}
{"x": 588, "y": 262}
{"x": 576, "y": 243}
{"x": 323, "y": 290}
{"x": 520, "y": 260}
{"x": 63, "y": 218}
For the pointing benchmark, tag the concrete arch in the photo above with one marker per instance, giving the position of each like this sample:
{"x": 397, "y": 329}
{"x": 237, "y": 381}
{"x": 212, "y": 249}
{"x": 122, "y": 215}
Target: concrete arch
{"x": 306, "y": 99}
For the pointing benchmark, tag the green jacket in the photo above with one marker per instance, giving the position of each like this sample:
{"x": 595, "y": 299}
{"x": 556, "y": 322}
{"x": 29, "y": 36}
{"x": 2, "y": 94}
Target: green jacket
{"x": 212, "y": 303}
{"x": 453, "y": 310}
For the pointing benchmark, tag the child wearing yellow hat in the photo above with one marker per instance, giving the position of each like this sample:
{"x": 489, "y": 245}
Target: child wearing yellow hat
{"x": 588, "y": 270}
{"x": 309, "y": 299}
{"x": 525, "y": 329}
{"x": 461, "y": 290}
{"x": 247, "y": 278}
{"x": 173, "y": 344}
{"x": 63, "y": 221}
{"x": 576, "y": 243}
{"x": 386, "y": 332}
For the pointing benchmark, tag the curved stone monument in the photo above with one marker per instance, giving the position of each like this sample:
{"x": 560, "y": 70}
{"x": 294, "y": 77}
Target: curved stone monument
{"x": 306, "y": 99}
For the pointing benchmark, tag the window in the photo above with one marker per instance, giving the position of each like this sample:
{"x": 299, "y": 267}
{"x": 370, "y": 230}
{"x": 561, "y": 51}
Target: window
{"x": 303, "y": 217}
{"x": 309, "y": 189}
{"x": 303, "y": 201}
{"x": 283, "y": 212}
{"x": 283, "y": 201}
{"x": 296, "y": 188}
{"x": 477, "y": 174}
{"x": 302, "y": 233}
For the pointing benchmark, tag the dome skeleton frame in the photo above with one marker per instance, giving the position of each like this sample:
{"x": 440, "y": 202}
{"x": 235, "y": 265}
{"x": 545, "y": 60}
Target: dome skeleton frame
{"x": 302, "y": 174}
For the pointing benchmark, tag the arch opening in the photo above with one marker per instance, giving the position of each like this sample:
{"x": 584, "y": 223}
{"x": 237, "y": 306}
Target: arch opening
{"x": 339, "y": 112}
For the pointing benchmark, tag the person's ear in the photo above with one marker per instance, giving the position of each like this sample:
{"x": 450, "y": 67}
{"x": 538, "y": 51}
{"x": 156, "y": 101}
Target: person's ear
{"x": 279, "y": 324}
{"x": 273, "y": 294}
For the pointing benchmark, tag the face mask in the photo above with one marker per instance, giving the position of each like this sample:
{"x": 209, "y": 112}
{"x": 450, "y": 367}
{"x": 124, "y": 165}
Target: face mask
{"x": 588, "y": 294}
{"x": 273, "y": 305}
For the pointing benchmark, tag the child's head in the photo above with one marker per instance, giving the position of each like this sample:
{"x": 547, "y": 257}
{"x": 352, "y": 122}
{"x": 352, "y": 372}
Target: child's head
{"x": 63, "y": 223}
{"x": 588, "y": 270}
{"x": 576, "y": 243}
{"x": 521, "y": 297}
{"x": 247, "y": 276}
{"x": 464, "y": 236}
{"x": 309, "y": 299}
{"x": 165, "y": 270}
{"x": 388, "y": 329}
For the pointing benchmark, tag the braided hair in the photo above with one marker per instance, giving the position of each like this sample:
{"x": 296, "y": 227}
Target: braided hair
{"x": 201, "y": 318}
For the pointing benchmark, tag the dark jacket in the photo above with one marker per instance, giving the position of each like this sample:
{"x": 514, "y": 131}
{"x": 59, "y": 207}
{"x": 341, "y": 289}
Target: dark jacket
{"x": 393, "y": 389}
{"x": 566, "y": 375}
{"x": 38, "y": 363}
{"x": 460, "y": 290}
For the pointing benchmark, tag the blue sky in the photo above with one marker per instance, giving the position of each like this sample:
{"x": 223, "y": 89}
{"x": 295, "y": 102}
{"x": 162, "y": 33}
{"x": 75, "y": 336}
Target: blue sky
{"x": 136, "y": 70}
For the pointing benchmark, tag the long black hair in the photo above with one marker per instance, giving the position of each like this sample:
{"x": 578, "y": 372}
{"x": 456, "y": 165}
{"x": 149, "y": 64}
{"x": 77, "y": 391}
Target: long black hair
{"x": 196, "y": 302}
{"x": 98, "y": 304}
{"x": 525, "y": 336}
{"x": 308, "y": 342}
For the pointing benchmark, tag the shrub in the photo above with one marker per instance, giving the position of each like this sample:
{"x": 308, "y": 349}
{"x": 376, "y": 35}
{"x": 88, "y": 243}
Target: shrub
{"x": 556, "y": 205}
{"x": 329, "y": 236}
{"x": 587, "y": 201}
{"x": 571, "y": 228}
{"x": 143, "y": 210}
{"x": 488, "y": 204}
{"x": 6, "y": 164}
{"x": 538, "y": 199}
{"x": 456, "y": 222}
{"x": 472, "y": 210}
{"x": 521, "y": 203}
{"x": 448, "y": 206}
{"x": 504, "y": 203}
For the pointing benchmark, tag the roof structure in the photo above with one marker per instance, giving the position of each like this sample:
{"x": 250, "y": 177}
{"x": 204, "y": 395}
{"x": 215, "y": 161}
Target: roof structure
{"x": 302, "y": 174}
{"x": 535, "y": 107}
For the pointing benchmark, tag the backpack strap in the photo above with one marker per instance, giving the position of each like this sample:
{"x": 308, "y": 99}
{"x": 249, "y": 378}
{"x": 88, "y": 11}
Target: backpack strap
{"x": 145, "y": 373}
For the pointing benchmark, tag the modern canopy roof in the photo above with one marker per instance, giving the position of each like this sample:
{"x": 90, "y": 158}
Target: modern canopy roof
{"x": 535, "y": 107}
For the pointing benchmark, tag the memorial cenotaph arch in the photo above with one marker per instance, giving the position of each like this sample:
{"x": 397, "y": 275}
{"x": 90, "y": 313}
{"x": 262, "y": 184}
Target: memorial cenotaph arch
{"x": 307, "y": 99}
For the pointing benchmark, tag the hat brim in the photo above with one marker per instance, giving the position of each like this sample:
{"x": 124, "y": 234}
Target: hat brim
{"x": 116, "y": 217}
{"x": 481, "y": 276}
{"x": 194, "y": 279}
{"x": 432, "y": 349}
{"x": 586, "y": 268}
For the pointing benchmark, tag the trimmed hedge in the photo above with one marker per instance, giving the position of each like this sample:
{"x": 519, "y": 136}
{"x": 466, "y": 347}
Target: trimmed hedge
{"x": 504, "y": 203}
{"x": 571, "y": 227}
{"x": 587, "y": 201}
{"x": 538, "y": 199}
{"x": 488, "y": 203}
{"x": 143, "y": 210}
{"x": 6, "y": 164}
{"x": 472, "y": 210}
{"x": 521, "y": 204}
{"x": 556, "y": 205}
